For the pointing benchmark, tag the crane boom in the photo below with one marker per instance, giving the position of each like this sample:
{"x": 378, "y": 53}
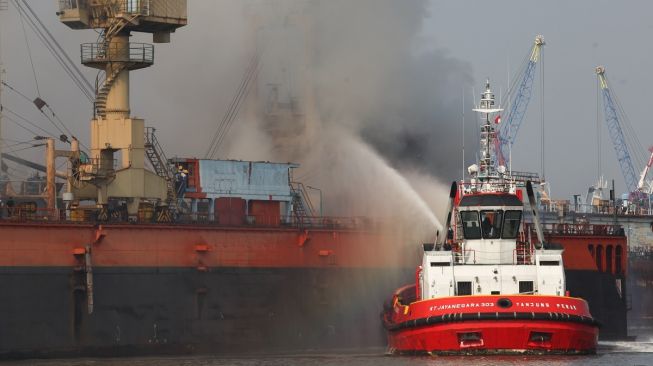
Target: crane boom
{"x": 517, "y": 110}
{"x": 30, "y": 164}
{"x": 616, "y": 133}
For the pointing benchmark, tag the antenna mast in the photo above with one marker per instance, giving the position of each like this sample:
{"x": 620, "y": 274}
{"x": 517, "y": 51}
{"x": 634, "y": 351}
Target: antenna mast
{"x": 487, "y": 109}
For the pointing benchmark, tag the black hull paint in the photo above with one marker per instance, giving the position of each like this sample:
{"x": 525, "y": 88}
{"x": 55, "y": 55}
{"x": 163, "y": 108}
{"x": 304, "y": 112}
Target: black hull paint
{"x": 606, "y": 304}
{"x": 43, "y": 311}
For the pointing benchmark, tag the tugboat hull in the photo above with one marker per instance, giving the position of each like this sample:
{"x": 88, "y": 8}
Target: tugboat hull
{"x": 496, "y": 337}
{"x": 489, "y": 325}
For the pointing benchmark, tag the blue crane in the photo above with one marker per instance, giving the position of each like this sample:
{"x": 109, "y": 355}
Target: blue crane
{"x": 616, "y": 133}
{"x": 518, "y": 105}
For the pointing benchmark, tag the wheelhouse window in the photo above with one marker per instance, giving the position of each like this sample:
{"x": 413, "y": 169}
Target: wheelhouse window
{"x": 491, "y": 224}
{"x": 471, "y": 225}
{"x": 511, "y": 223}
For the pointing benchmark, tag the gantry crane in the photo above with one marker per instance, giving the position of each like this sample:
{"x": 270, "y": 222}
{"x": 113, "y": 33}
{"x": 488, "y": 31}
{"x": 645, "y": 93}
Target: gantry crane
{"x": 518, "y": 104}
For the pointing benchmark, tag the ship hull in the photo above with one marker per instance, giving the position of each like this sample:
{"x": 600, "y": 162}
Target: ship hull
{"x": 491, "y": 324}
{"x": 498, "y": 337}
{"x": 594, "y": 275}
{"x": 206, "y": 288}
{"x": 178, "y": 310}
{"x": 77, "y": 289}
{"x": 606, "y": 295}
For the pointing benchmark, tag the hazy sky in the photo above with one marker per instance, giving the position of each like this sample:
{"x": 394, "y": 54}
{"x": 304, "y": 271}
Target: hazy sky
{"x": 580, "y": 35}
{"x": 196, "y": 73}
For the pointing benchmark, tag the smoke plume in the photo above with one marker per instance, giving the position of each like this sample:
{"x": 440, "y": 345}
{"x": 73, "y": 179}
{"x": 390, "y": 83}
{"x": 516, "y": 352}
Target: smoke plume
{"x": 352, "y": 91}
{"x": 357, "y": 92}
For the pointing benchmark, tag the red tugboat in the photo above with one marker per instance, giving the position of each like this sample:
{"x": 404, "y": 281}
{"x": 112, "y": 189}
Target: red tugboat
{"x": 487, "y": 286}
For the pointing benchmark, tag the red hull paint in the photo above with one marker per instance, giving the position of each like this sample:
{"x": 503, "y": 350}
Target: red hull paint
{"x": 124, "y": 245}
{"x": 477, "y": 324}
{"x": 497, "y": 337}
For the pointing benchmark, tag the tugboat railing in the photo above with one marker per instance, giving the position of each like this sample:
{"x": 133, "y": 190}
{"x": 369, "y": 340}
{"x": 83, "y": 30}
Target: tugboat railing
{"x": 581, "y": 229}
{"x": 460, "y": 255}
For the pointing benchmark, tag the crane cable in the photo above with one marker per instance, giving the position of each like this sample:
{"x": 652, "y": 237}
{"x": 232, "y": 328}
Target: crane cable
{"x": 516, "y": 80}
{"x": 40, "y": 105}
{"x": 63, "y": 53}
{"x": 47, "y": 133}
{"x": 635, "y": 148}
{"x": 55, "y": 49}
{"x": 29, "y": 53}
{"x": 234, "y": 107}
{"x": 39, "y": 100}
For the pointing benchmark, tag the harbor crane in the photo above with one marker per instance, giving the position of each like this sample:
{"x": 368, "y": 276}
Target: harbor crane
{"x": 612, "y": 116}
{"x": 518, "y": 104}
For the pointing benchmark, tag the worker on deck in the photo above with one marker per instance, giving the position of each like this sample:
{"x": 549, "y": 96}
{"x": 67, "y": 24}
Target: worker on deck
{"x": 183, "y": 182}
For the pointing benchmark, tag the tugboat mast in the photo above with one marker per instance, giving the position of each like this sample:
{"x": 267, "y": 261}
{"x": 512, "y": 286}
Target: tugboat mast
{"x": 487, "y": 172}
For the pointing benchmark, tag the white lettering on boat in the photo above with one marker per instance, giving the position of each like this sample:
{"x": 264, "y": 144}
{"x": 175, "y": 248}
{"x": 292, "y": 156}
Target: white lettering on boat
{"x": 461, "y": 306}
{"x": 533, "y": 304}
{"x": 541, "y": 305}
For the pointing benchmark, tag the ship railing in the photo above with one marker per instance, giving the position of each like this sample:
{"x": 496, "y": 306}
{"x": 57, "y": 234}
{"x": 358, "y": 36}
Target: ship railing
{"x": 28, "y": 188}
{"x": 88, "y": 215}
{"x": 141, "y": 53}
{"x": 579, "y": 229}
{"x": 525, "y": 176}
{"x": 24, "y": 214}
{"x": 520, "y": 255}
{"x": 523, "y": 254}
{"x": 460, "y": 256}
{"x": 469, "y": 187}
{"x": 140, "y": 7}
{"x": 308, "y": 222}
{"x": 603, "y": 208}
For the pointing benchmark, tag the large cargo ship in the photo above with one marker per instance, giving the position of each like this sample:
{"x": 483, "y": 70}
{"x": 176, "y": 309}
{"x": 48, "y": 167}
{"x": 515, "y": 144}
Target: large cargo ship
{"x": 200, "y": 255}
{"x": 188, "y": 255}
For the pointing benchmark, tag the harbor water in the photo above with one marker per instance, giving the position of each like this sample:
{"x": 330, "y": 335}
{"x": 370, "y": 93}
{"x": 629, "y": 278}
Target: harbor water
{"x": 634, "y": 353}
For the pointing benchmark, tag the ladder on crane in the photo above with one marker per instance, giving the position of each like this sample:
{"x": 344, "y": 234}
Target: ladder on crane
{"x": 162, "y": 167}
